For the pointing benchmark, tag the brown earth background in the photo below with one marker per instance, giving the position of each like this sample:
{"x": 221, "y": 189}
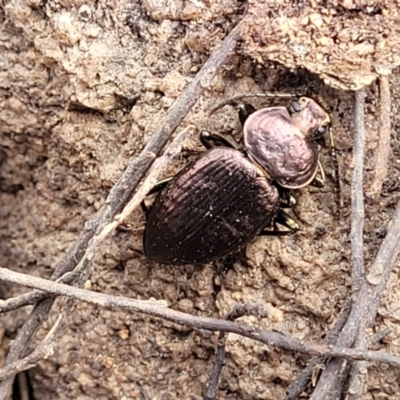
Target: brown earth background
{"x": 83, "y": 84}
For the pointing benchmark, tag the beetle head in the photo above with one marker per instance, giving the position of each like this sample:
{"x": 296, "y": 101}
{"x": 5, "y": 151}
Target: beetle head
{"x": 309, "y": 116}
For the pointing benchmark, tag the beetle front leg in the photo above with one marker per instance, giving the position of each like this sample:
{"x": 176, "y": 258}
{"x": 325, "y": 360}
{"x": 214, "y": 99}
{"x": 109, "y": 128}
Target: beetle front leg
{"x": 286, "y": 199}
{"x": 211, "y": 140}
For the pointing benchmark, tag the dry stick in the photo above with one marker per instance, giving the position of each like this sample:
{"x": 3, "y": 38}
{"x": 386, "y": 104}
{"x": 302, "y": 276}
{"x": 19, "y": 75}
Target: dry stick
{"x": 239, "y": 310}
{"x": 379, "y": 336}
{"x": 333, "y": 369}
{"x": 219, "y": 362}
{"x": 151, "y": 308}
{"x": 357, "y": 227}
{"x": 123, "y": 189}
{"x": 357, "y": 197}
{"x": 294, "y": 390}
{"x": 367, "y": 301}
{"x": 383, "y": 149}
{"x": 358, "y": 371}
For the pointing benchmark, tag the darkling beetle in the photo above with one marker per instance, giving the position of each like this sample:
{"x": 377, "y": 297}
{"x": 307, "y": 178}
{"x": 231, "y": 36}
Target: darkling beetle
{"x": 226, "y": 197}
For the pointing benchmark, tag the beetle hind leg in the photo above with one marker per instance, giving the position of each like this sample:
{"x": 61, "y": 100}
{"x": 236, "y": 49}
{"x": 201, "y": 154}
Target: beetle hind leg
{"x": 210, "y": 140}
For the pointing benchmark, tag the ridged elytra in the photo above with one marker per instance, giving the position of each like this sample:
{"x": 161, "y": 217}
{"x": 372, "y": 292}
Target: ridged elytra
{"x": 212, "y": 207}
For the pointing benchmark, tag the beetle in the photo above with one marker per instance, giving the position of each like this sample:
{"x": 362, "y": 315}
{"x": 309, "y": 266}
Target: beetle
{"x": 226, "y": 197}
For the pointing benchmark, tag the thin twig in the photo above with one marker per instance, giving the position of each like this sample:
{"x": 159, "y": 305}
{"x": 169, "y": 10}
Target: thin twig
{"x": 219, "y": 361}
{"x": 122, "y": 190}
{"x": 325, "y": 388}
{"x": 202, "y": 323}
{"x": 374, "y": 340}
{"x": 383, "y": 149}
{"x": 22, "y": 387}
{"x": 239, "y": 310}
{"x": 358, "y": 374}
{"x": 357, "y": 196}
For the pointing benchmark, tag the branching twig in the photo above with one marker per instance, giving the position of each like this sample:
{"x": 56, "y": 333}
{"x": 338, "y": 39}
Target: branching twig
{"x": 383, "y": 148}
{"x": 366, "y": 305}
{"x": 294, "y": 390}
{"x": 204, "y": 323}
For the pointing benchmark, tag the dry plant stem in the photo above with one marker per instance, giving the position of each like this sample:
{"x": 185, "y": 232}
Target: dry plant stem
{"x": 358, "y": 370}
{"x": 219, "y": 362}
{"x": 23, "y": 387}
{"x": 367, "y": 303}
{"x": 45, "y": 348}
{"x": 357, "y": 197}
{"x": 294, "y": 390}
{"x": 379, "y": 336}
{"x": 358, "y": 373}
{"x": 383, "y": 149}
{"x": 237, "y": 311}
{"x": 325, "y": 388}
{"x": 150, "y": 308}
{"x": 381, "y": 269}
{"x": 123, "y": 189}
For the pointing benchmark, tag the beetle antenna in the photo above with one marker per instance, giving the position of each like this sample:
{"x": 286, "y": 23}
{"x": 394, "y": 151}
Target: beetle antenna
{"x": 233, "y": 100}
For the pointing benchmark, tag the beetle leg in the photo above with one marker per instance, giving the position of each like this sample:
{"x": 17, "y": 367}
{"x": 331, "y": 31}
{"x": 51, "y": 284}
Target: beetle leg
{"x": 155, "y": 189}
{"x": 319, "y": 181}
{"x": 244, "y": 110}
{"x": 282, "y": 219}
{"x": 210, "y": 140}
{"x": 286, "y": 200}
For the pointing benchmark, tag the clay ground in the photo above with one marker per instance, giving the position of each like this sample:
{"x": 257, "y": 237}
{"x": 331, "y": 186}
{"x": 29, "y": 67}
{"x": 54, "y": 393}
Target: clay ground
{"x": 82, "y": 87}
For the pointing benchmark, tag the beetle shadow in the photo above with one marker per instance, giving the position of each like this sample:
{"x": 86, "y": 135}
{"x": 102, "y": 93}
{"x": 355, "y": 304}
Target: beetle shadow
{"x": 227, "y": 263}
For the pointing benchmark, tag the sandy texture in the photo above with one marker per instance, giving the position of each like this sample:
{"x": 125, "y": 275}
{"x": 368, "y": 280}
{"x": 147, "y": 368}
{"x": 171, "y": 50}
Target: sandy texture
{"x": 82, "y": 86}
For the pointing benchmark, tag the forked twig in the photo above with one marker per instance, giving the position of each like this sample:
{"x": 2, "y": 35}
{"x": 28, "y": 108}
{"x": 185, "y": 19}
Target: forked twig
{"x": 298, "y": 386}
{"x": 365, "y": 306}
